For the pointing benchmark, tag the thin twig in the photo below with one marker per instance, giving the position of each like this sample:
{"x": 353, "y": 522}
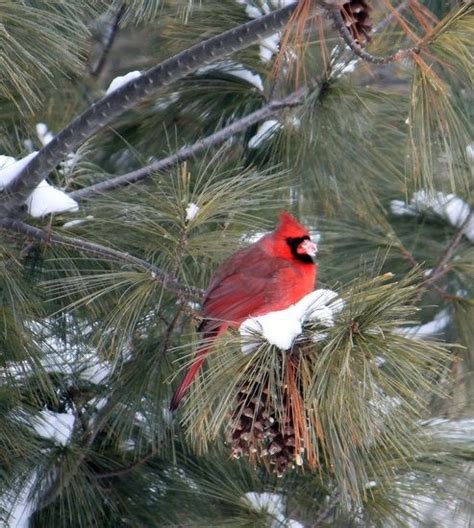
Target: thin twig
{"x": 123, "y": 471}
{"x": 130, "y": 94}
{"x": 390, "y": 17}
{"x": 340, "y": 24}
{"x": 185, "y": 153}
{"x": 441, "y": 267}
{"x": 109, "y": 41}
{"x": 113, "y": 255}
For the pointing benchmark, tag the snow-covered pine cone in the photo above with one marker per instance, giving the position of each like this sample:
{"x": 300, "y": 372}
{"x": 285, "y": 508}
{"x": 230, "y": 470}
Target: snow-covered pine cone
{"x": 259, "y": 432}
{"x": 356, "y": 14}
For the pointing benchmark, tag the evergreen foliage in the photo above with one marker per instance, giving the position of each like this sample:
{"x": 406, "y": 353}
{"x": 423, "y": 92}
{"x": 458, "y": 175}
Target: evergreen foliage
{"x": 369, "y": 146}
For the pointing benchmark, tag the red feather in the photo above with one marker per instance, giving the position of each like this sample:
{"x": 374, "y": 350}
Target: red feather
{"x": 267, "y": 276}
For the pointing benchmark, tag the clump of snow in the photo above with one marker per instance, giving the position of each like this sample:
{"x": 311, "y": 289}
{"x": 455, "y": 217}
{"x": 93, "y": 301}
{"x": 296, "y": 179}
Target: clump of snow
{"x": 43, "y": 133}
{"x": 247, "y": 75}
{"x": 45, "y": 199}
{"x": 274, "y": 505}
{"x": 97, "y": 372}
{"x": 281, "y": 327}
{"x": 119, "y": 81}
{"x": 264, "y": 132}
{"x": 54, "y": 426}
{"x": 237, "y": 70}
{"x": 447, "y": 206}
{"x": 10, "y": 167}
{"x": 78, "y": 221}
{"x": 191, "y": 211}
{"x": 270, "y": 45}
{"x": 432, "y": 328}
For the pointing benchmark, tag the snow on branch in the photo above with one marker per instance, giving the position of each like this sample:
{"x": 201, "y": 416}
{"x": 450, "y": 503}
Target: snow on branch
{"x": 294, "y": 99}
{"x": 103, "y": 111}
{"x": 448, "y": 207}
{"x": 45, "y": 199}
{"x": 272, "y": 503}
{"x": 281, "y": 328}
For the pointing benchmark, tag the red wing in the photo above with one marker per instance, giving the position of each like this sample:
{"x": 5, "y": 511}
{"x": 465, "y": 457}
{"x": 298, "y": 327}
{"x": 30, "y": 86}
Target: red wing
{"x": 243, "y": 286}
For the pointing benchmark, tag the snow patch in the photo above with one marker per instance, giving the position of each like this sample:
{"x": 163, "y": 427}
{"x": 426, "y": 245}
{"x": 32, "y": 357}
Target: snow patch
{"x": 19, "y": 506}
{"x": 54, "y": 426}
{"x": 272, "y": 503}
{"x": 43, "y": 133}
{"x": 470, "y": 151}
{"x": 46, "y": 199}
{"x": 248, "y": 76}
{"x": 191, "y": 211}
{"x": 121, "y": 80}
{"x": 78, "y": 221}
{"x": 264, "y": 132}
{"x": 450, "y": 207}
{"x": 281, "y": 327}
{"x": 11, "y": 167}
{"x": 432, "y": 328}
{"x": 269, "y": 45}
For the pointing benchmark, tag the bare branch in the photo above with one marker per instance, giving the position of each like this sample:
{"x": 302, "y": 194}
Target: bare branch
{"x": 109, "y": 40}
{"x": 185, "y": 153}
{"x": 340, "y": 24}
{"x": 114, "y": 104}
{"x": 441, "y": 267}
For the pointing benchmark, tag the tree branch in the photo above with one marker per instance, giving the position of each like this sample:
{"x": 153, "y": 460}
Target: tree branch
{"x": 441, "y": 267}
{"x": 340, "y": 24}
{"x": 114, "y": 104}
{"x": 113, "y": 255}
{"x": 107, "y": 45}
{"x": 123, "y": 471}
{"x": 185, "y": 153}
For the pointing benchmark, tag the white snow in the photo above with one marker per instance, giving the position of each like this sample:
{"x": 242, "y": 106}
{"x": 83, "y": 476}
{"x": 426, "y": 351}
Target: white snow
{"x": 191, "y": 211}
{"x": 10, "y": 168}
{"x": 447, "y": 206}
{"x": 97, "y": 372}
{"x": 237, "y": 70}
{"x": 43, "y": 133}
{"x": 77, "y": 221}
{"x": 119, "y": 81}
{"x": 272, "y": 503}
{"x": 264, "y": 132}
{"x": 452, "y": 430}
{"x": 280, "y": 328}
{"x": 19, "y": 507}
{"x": 269, "y": 46}
{"x": 57, "y": 427}
{"x": 244, "y": 73}
{"x": 432, "y": 328}
{"x": 46, "y": 199}
{"x": 470, "y": 151}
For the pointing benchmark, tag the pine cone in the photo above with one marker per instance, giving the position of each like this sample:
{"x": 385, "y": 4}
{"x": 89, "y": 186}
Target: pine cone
{"x": 262, "y": 434}
{"x": 356, "y": 14}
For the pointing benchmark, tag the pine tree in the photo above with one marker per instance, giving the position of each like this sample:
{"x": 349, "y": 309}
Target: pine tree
{"x": 353, "y": 115}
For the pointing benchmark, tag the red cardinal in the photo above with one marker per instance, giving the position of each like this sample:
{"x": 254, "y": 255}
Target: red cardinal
{"x": 272, "y": 274}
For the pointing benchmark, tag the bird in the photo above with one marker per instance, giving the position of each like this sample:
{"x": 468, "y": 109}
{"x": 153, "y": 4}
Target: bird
{"x": 269, "y": 275}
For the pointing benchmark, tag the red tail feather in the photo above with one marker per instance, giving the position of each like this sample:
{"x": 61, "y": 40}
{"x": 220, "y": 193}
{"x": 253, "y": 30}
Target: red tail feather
{"x": 187, "y": 380}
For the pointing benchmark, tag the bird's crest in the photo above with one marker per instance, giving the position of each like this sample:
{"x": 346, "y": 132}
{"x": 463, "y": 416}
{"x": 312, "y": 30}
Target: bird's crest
{"x": 290, "y": 227}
